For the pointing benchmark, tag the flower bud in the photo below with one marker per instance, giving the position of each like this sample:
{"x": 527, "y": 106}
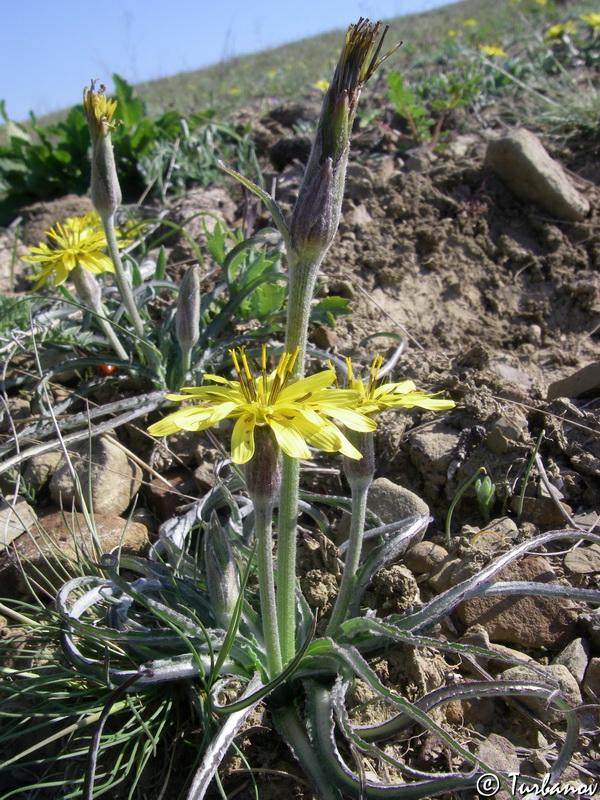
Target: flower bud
{"x": 359, "y": 472}
{"x": 105, "y": 188}
{"x": 317, "y": 212}
{"x": 87, "y": 287}
{"x": 263, "y": 473}
{"x": 222, "y": 577}
{"x": 187, "y": 319}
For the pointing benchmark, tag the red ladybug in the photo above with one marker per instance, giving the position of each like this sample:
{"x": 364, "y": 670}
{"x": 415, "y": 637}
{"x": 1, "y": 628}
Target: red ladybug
{"x": 106, "y": 369}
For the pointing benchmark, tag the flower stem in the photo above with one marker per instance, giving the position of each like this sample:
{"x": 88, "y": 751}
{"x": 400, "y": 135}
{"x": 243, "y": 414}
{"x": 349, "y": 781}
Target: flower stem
{"x": 89, "y": 293}
{"x": 360, "y": 492}
{"x": 108, "y": 222}
{"x": 263, "y": 515}
{"x": 302, "y": 284}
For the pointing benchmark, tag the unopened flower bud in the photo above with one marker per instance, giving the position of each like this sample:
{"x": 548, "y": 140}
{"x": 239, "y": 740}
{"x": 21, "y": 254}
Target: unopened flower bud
{"x": 105, "y": 188}
{"x": 222, "y": 577}
{"x": 263, "y": 473}
{"x": 359, "y": 472}
{"x": 187, "y": 319}
{"x": 317, "y": 212}
{"x": 87, "y": 287}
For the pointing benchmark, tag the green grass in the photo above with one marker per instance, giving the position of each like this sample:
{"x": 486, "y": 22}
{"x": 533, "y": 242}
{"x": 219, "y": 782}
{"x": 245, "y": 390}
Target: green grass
{"x": 291, "y": 70}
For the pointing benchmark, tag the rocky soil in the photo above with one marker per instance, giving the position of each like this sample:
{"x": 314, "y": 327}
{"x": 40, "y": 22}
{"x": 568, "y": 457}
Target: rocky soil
{"x": 485, "y": 258}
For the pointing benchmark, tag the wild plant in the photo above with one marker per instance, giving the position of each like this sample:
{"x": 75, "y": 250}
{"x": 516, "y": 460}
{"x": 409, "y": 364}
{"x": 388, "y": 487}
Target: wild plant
{"x": 217, "y": 613}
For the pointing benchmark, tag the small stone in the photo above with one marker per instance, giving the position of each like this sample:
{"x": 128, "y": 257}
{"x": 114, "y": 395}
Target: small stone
{"x": 591, "y": 680}
{"x": 585, "y": 381}
{"x": 396, "y": 589}
{"x": 393, "y": 503}
{"x": 583, "y": 560}
{"x": 166, "y": 494}
{"x": 575, "y": 658}
{"x": 443, "y": 577}
{"x": 527, "y": 621}
{"x": 494, "y": 536}
{"x": 424, "y": 557}
{"x": 114, "y": 477}
{"x": 557, "y": 673}
{"x": 432, "y": 451}
{"x": 522, "y": 163}
{"x": 40, "y": 468}
{"x": 15, "y": 518}
{"x": 542, "y": 511}
{"x": 498, "y": 754}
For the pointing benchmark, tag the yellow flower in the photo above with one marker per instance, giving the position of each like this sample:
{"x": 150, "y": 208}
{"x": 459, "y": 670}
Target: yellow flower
{"x": 451, "y": 33}
{"x": 542, "y": 2}
{"x": 374, "y": 398}
{"x": 492, "y": 50}
{"x": 234, "y": 90}
{"x": 296, "y": 411}
{"x": 99, "y": 110}
{"x": 592, "y": 19}
{"x": 469, "y": 23}
{"x": 79, "y": 241}
{"x": 322, "y": 85}
{"x": 556, "y": 30}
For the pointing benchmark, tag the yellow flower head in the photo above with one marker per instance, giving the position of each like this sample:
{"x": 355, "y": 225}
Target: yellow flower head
{"x": 592, "y": 19}
{"x": 492, "y": 50}
{"x": 79, "y": 241}
{"x": 99, "y": 110}
{"x": 469, "y": 23}
{"x": 322, "y": 85}
{"x": 557, "y": 30}
{"x": 297, "y": 411}
{"x": 375, "y": 396}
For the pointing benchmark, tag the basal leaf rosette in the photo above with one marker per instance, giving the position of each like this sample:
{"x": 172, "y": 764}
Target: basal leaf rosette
{"x": 299, "y": 412}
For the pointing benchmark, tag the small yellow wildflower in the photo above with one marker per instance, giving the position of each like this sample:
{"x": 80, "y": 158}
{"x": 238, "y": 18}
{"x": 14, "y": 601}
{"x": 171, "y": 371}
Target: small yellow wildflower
{"x": 404, "y": 394}
{"x": 99, "y": 110}
{"x": 271, "y": 73}
{"x": 556, "y": 31}
{"x": 542, "y": 2}
{"x": 492, "y": 50}
{"x": 469, "y": 23}
{"x": 234, "y": 90}
{"x": 296, "y": 411}
{"x": 321, "y": 85}
{"x": 79, "y": 241}
{"x": 592, "y": 19}
{"x": 452, "y": 33}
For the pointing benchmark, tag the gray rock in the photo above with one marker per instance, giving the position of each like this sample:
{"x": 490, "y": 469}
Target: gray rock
{"x": 575, "y": 658}
{"x": 424, "y": 557}
{"x": 40, "y": 468}
{"x": 521, "y": 161}
{"x": 583, "y": 560}
{"x": 432, "y": 450}
{"x": 115, "y": 478}
{"x": 591, "y": 681}
{"x": 586, "y": 379}
{"x": 557, "y": 673}
{"x": 393, "y": 503}
{"x": 498, "y": 753}
{"x": 15, "y": 518}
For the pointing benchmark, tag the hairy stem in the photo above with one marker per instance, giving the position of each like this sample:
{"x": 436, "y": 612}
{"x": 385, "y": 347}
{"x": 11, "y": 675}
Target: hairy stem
{"x": 302, "y": 284}
{"x": 263, "y": 515}
{"x": 360, "y": 492}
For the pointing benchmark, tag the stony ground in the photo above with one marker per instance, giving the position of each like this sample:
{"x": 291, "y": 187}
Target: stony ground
{"x": 497, "y": 296}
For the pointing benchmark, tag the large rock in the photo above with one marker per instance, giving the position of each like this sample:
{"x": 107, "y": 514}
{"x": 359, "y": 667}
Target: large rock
{"x": 47, "y": 554}
{"x": 521, "y": 161}
{"x": 526, "y": 620}
{"x": 114, "y": 477}
{"x": 15, "y": 518}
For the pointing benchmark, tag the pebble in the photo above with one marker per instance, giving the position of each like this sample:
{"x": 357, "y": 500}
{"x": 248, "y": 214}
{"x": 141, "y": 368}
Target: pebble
{"x": 583, "y": 560}
{"x": 393, "y": 503}
{"x": 523, "y": 164}
{"x": 424, "y": 557}
{"x": 557, "y": 673}
{"x": 575, "y": 658}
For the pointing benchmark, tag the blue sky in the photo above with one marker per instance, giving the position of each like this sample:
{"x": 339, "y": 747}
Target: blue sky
{"x": 52, "y": 48}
